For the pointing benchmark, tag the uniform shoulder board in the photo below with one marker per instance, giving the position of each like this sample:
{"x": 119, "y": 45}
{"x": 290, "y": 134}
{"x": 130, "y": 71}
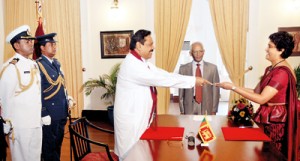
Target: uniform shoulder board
{"x": 14, "y": 61}
{"x": 39, "y": 59}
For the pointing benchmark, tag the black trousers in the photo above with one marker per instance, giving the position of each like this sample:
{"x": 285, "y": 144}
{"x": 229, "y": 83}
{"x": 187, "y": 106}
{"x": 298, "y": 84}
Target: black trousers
{"x": 3, "y": 144}
{"x": 53, "y": 136}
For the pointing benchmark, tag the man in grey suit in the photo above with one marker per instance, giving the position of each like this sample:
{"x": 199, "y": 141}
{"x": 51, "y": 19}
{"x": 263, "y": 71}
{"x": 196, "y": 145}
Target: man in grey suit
{"x": 210, "y": 94}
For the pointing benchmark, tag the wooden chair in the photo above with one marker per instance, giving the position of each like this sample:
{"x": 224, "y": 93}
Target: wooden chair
{"x": 70, "y": 122}
{"x": 81, "y": 143}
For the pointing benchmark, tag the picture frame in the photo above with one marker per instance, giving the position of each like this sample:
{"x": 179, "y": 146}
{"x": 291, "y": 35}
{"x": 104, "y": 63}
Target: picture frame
{"x": 115, "y": 44}
{"x": 295, "y": 32}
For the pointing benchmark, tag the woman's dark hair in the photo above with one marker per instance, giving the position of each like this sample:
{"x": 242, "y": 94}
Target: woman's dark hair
{"x": 139, "y": 36}
{"x": 283, "y": 40}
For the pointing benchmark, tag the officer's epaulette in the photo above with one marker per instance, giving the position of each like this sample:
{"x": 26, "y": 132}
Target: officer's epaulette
{"x": 39, "y": 59}
{"x": 14, "y": 61}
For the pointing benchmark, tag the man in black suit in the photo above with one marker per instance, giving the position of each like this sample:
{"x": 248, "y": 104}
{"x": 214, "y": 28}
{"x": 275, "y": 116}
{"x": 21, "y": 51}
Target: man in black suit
{"x": 54, "y": 98}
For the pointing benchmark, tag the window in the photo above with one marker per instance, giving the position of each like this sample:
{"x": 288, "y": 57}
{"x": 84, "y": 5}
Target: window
{"x": 200, "y": 28}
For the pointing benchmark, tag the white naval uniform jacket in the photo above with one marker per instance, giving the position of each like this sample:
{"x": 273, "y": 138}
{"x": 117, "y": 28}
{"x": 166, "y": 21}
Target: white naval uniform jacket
{"x": 22, "y": 109}
{"x": 133, "y": 101}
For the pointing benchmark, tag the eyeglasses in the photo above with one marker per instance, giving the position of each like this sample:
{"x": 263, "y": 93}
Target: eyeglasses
{"x": 199, "y": 51}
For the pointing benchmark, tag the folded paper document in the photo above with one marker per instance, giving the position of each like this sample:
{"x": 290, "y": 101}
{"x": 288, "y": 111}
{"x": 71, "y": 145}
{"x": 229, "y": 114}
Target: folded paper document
{"x": 244, "y": 134}
{"x": 163, "y": 133}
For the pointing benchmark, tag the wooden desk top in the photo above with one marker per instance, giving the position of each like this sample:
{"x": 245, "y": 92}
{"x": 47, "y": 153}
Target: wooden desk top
{"x": 156, "y": 150}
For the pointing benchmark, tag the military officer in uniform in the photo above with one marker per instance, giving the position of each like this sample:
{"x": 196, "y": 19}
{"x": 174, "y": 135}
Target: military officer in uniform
{"x": 54, "y": 98}
{"x": 20, "y": 95}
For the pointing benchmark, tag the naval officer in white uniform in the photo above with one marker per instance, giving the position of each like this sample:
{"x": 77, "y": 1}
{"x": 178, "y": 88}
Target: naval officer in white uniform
{"x": 20, "y": 94}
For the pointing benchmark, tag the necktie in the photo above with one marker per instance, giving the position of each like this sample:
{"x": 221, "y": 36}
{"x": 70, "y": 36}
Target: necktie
{"x": 198, "y": 91}
{"x": 55, "y": 66}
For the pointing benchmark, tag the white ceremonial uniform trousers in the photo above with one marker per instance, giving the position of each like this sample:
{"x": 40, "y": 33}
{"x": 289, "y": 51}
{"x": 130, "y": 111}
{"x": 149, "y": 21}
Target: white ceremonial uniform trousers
{"x": 27, "y": 145}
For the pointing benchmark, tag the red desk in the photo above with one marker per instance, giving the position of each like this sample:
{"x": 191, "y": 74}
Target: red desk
{"x": 150, "y": 150}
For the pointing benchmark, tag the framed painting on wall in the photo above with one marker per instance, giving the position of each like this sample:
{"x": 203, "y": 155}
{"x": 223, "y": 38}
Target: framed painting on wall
{"x": 295, "y": 32}
{"x": 115, "y": 44}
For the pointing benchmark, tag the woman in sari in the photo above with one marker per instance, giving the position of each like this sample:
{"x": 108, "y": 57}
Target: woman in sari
{"x": 276, "y": 93}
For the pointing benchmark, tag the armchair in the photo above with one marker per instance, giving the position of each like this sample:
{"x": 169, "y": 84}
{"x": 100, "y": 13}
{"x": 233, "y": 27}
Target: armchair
{"x": 81, "y": 143}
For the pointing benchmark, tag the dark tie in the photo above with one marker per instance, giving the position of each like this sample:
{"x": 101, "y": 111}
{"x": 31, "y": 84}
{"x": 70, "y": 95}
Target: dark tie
{"x": 198, "y": 92}
{"x": 55, "y": 66}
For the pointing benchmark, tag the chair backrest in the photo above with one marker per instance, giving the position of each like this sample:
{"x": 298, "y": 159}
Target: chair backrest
{"x": 70, "y": 121}
{"x": 80, "y": 141}
{"x": 78, "y": 131}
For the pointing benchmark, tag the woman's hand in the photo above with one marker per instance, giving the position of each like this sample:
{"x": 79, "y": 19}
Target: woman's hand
{"x": 225, "y": 85}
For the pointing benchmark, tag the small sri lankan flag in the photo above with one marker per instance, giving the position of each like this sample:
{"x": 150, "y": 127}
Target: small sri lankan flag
{"x": 205, "y": 132}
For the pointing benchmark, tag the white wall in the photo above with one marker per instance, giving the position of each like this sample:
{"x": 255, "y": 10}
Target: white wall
{"x": 265, "y": 18}
{"x": 96, "y": 16}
